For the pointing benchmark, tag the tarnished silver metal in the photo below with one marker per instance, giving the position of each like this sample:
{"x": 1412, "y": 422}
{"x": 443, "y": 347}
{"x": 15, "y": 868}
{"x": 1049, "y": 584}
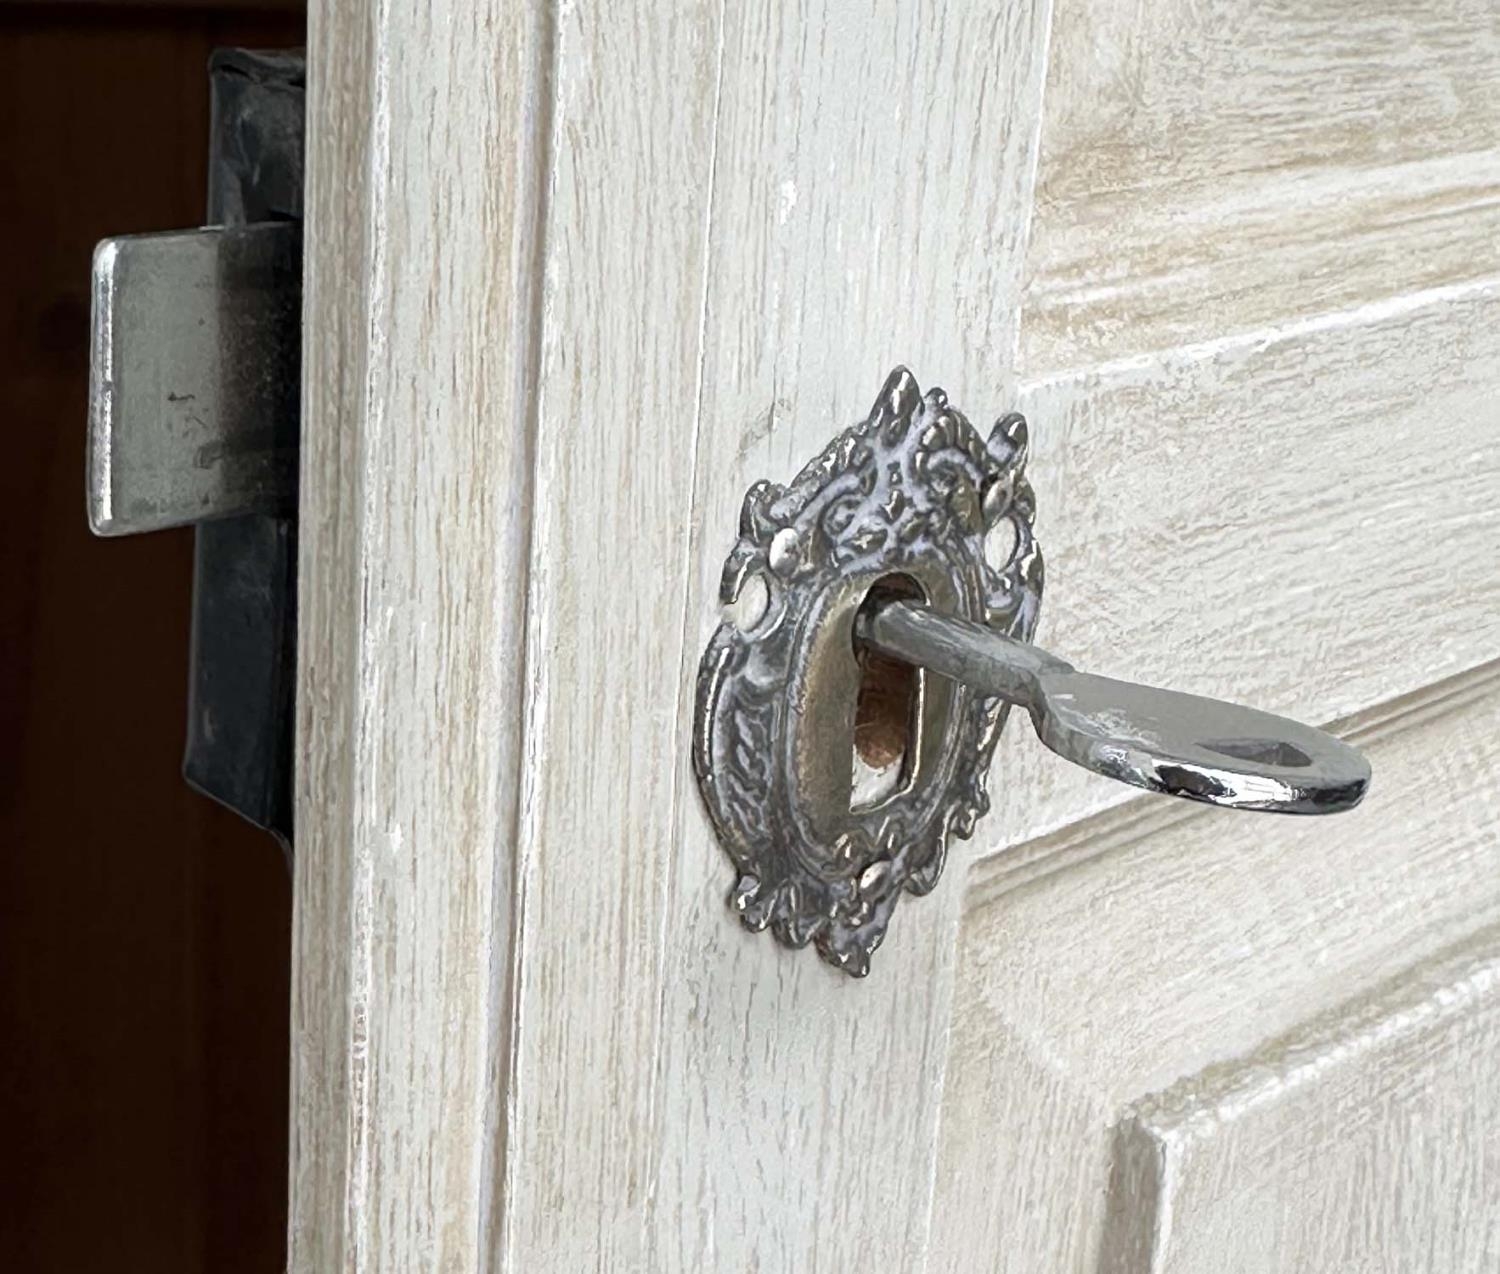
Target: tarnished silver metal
{"x": 880, "y": 550}
{"x": 194, "y": 377}
{"x": 1162, "y": 740}
{"x": 906, "y": 499}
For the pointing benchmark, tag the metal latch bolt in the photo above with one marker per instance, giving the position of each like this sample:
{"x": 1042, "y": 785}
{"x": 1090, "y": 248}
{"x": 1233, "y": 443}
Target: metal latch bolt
{"x": 193, "y": 419}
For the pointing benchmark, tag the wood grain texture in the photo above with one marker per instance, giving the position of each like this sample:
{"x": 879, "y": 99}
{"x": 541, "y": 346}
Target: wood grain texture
{"x": 1302, "y": 519}
{"x": 581, "y": 1090}
{"x": 1157, "y": 944}
{"x": 580, "y": 275}
{"x": 418, "y": 411}
{"x": 1366, "y": 1139}
{"x": 1214, "y": 167}
{"x": 809, "y": 173}
{"x": 630, "y": 191}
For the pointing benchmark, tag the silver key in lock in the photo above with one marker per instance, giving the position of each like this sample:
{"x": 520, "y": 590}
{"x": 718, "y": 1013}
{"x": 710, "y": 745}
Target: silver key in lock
{"x": 849, "y": 706}
{"x": 1162, "y": 740}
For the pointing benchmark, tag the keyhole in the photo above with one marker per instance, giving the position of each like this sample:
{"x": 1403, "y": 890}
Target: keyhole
{"x": 887, "y": 712}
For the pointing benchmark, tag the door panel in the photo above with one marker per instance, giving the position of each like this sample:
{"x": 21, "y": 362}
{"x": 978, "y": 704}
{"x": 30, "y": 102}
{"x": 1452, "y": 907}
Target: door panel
{"x": 1153, "y": 941}
{"x": 1209, "y": 168}
{"x": 1305, "y": 520}
{"x": 1350, "y": 1143}
{"x": 529, "y": 432}
{"x": 578, "y": 276}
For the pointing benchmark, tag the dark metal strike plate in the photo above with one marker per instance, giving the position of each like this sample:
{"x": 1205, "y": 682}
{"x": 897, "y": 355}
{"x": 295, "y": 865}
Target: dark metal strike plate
{"x": 194, "y": 419}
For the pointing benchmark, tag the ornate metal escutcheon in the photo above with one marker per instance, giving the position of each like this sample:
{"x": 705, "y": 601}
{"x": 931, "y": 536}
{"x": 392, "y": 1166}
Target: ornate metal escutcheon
{"x": 844, "y": 730}
{"x": 904, "y": 501}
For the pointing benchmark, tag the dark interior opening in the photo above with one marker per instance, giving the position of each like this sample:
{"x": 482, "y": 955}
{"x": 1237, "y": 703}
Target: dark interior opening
{"x": 888, "y": 710}
{"x": 144, "y": 931}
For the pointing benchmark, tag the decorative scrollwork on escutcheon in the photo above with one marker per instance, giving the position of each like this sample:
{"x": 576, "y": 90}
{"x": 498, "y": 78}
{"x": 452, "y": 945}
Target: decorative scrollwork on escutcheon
{"x": 911, "y": 491}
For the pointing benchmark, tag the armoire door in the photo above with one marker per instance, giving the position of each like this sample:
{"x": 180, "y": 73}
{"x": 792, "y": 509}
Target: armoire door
{"x": 579, "y": 274}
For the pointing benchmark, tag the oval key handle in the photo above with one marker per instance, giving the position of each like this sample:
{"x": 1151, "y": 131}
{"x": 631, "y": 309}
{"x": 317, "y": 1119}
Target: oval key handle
{"x": 1163, "y": 740}
{"x": 873, "y": 641}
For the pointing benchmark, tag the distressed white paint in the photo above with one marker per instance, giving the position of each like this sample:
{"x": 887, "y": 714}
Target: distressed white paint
{"x": 1102, "y": 963}
{"x": 1353, "y": 1142}
{"x": 419, "y": 402}
{"x": 1217, "y": 166}
{"x": 576, "y": 276}
{"x": 1307, "y": 519}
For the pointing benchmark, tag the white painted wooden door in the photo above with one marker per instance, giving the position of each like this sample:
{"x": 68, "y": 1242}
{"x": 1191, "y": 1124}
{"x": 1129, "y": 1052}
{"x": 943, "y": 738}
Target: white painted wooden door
{"x": 577, "y": 274}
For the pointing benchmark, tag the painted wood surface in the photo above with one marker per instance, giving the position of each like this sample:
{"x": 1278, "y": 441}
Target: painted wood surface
{"x": 672, "y": 1106}
{"x": 1214, "y": 166}
{"x": 1305, "y": 519}
{"x": 1352, "y": 1142}
{"x": 578, "y": 275}
{"x": 424, "y": 187}
{"x": 1153, "y": 942}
